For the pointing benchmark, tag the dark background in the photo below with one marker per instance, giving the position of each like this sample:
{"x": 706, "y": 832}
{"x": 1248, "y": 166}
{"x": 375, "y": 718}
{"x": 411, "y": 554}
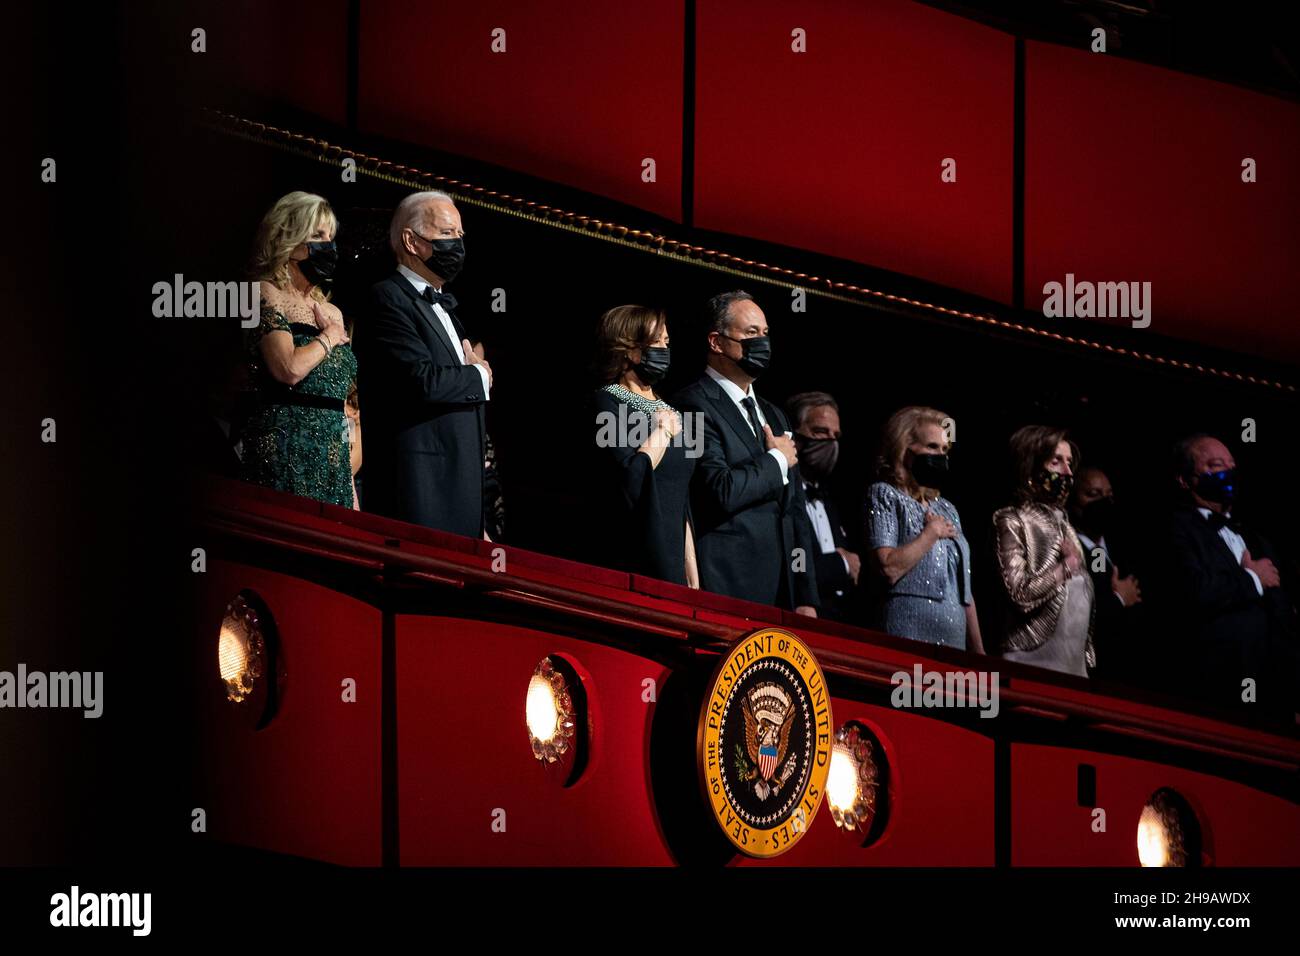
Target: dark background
{"x": 96, "y": 564}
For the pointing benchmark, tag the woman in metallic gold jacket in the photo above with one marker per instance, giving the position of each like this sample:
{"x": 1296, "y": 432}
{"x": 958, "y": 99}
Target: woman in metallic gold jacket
{"x": 1040, "y": 563}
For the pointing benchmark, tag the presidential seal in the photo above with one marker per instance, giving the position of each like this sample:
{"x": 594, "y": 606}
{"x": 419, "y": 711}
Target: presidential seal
{"x": 764, "y": 741}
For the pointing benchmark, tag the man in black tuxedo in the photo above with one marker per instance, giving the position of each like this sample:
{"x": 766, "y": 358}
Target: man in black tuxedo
{"x": 420, "y": 383}
{"x": 1121, "y": 644}
{"x": 752, "y": 536}
{"x": 816, "y": 420}
{"x": 1228, "y": 588}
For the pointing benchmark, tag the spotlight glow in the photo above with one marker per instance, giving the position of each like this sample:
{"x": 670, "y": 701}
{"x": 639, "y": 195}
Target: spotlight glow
{"x": 550, "y": 715}
{"x": 540, "y": 711}
{"x": 240, "y": 650}
{"x": 232, "y": 653}
{"x": 842, "y": 781}
{"x": 1152, "y": 840}
{"x": 855, "y": 788}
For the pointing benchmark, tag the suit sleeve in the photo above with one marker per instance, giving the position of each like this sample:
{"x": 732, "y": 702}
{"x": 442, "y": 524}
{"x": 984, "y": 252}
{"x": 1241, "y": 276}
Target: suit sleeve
{"x": 1026, "y": 589}
{"x": 832, "y": 575}
{"x": 1211, "y": 587}
{"x": 805, "y": 582}
{"x": 395, "y": 352}
{"x": 733, "y": 489}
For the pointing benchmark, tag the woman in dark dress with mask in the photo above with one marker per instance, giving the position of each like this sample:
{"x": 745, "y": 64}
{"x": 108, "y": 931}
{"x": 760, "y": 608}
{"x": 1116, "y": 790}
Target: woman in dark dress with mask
{"x": 643, "y": 469}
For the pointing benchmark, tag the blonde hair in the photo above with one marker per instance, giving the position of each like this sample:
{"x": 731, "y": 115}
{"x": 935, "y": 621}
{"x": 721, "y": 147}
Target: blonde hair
{"x": 903, "y": 428}
{"x": 287, "y": 225}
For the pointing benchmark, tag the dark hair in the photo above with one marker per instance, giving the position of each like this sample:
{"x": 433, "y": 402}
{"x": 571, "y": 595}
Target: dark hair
{"x": 797, "y": 406}
{"x": 1184, "y": 456}
{"x": 718, "y": 308}
{"x": 622, "y": 329}
{"x": 1031, "y": 448}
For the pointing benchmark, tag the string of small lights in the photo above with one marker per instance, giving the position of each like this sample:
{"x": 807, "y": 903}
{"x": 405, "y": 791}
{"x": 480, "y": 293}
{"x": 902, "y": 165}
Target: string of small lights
{"x": 661, "y": 244}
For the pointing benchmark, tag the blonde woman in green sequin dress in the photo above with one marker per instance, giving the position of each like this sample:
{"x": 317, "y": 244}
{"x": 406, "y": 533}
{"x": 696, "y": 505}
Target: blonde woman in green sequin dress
{"x": 296, "y": 440}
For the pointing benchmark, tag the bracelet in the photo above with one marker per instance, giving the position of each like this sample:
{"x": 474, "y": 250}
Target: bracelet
{"x": 321, "y": 340}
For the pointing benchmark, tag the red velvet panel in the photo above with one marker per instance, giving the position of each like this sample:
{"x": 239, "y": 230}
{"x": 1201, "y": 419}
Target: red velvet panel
{"x": 464, "y": 752}
{"x": 582, "y": 94}
{"x": 1240, "y": 826}
{"x": 839, "y": 149}
{"x": 1133, "y": 173}
{"x": 307, "y": 784}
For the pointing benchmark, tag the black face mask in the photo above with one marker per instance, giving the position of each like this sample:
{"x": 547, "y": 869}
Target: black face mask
{"x": 319, "y": 266}
{"x": 1051, "y": 487}
{"x": 1096, "y": 516}
{"x": 447, "y": 258}
{"x": 1217, "y": 486}
{"x": 817, "y": 456}
{"x": 930, "y": 471}
{"x": 654, "y": 364}
{"x": 757, "y": 355}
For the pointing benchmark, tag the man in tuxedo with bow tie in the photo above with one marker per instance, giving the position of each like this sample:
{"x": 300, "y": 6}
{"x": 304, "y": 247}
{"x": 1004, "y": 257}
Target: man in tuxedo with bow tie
{"x": 752, "y": 535}
{"x": 421, "y": 385}
{"x": 1228, "y": 589}
{"x": 816, "y": 420}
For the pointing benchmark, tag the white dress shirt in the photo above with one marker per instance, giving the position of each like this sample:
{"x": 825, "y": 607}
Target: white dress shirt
{"x": 420, "y": 283}
{"x": 736, "y": 395}
{"x": 821, "y": 525}
{"x": 1237, "y": 544}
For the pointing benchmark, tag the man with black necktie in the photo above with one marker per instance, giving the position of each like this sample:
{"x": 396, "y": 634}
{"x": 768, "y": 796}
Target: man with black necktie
{"x": 420, "y": 383}
{"x": 1229, "y": 591}
{"x": 753, "y": 538}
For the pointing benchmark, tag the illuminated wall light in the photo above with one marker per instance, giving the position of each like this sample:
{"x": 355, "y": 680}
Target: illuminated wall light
{"x": 1168, "y": 832}
{"x": 1153, "y": 846}
{"x": 842, "y": 782}
{"x": 240, "y": 650}
{"x": 543, "y": 716}
{"x": 854, "y": 787}
{"x": 247, "y": 659}
{"x": 549, "y": 712}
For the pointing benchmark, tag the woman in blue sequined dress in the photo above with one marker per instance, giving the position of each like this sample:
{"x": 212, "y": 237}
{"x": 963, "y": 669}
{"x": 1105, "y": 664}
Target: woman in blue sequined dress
{"x": 921, "y": 587}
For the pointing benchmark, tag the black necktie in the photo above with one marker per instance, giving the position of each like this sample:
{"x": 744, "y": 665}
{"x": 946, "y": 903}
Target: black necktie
{"x": 751, "y": 409}
{"x": 435, "y": 297}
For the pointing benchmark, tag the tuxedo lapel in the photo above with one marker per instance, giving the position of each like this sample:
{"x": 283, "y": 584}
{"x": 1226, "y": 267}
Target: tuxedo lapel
{"x": 776, "y": 421}
{"x": 732, "y": 416}
{"x": 422, "y": 306}
{"x": 773, "y": 416}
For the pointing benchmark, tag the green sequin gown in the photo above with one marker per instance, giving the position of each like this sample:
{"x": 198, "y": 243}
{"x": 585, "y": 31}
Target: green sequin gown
{"x": 295, "y": 448}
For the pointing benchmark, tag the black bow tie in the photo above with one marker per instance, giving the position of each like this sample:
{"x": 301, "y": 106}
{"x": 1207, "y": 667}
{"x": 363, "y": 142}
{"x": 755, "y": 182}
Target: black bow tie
{"x": 434, "y": 297}
{"x": 1218, "y": 521}
{"x": 812, "y": 492}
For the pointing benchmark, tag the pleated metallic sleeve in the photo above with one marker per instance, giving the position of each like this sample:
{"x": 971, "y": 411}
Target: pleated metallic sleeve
{"x": 1028, "y": 545}
{"x": 1027, "y": 554}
